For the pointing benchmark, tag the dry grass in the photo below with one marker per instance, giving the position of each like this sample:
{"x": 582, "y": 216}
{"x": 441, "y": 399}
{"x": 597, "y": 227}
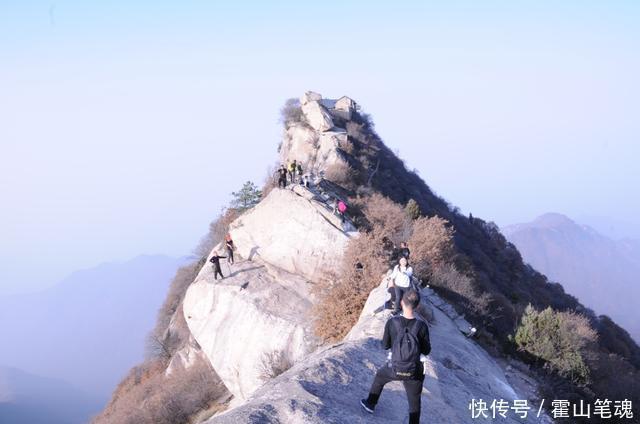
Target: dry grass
{"x": 274, "y": 363}
{"x": 340, "y": 173}
{"x": 340, "y": 304}
{"x": 147, "y": 395}
{"x": 218, "y": 228}
{"x": 387, "y": 218}
{"x": 431, "y": 245}
{"x": 365, "y": 262}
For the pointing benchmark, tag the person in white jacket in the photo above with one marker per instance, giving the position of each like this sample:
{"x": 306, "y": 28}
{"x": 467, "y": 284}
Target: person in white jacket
{"x": 401, "y": 278}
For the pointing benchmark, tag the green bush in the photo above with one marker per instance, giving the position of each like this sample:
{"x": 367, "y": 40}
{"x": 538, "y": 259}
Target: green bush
{"x": 413, "y": 209}
{"x": 558, "y": 338}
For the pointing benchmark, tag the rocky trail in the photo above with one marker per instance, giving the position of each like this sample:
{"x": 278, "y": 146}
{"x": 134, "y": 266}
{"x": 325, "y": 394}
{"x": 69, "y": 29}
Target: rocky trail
{"x": 326, "y": 386}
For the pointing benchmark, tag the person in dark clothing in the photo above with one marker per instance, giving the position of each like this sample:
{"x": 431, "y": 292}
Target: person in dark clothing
{"x": 282, "y": 176}
{"x": 228, "y": 242}
{"x": 404, "y": 251}
{"x": 215, "y": 260}
{"x": 394, "y": 329}
{"x": 299, "y": 170}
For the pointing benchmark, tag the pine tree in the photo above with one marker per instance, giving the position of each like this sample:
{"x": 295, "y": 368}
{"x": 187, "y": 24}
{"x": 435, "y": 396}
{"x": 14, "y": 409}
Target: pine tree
{"x": 413, "y": 209}
{"x": 247, "y": 197}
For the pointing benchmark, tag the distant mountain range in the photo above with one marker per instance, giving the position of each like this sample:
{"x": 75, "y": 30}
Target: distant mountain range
{"x": 26, "y": 398}
{"x": 602, "y": 273}
{"x": 86, "y": 332}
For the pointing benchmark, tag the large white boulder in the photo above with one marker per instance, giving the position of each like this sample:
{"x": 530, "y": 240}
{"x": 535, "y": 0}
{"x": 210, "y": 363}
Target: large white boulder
{"x": 316, "y": 151}
{"x": 293, "y": 232}
{"x": 310, "y": 96}
{"x": 245, "y": 320}
{"x": 317, "y": 116}
{"x": 261, "y": 309}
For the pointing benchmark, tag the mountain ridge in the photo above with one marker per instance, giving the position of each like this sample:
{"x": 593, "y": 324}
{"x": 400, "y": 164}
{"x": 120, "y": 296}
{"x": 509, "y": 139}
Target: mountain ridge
{"x": 477, "y": 275}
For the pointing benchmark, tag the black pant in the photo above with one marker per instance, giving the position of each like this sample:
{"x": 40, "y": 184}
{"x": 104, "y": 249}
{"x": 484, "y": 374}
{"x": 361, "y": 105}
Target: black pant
{"x": 413, "y": 388}
{"x": 282, "y": 182}
{"x": 229, "y": 255}
{"x": 216, "y": 271}
{"x": 399, "y": 293}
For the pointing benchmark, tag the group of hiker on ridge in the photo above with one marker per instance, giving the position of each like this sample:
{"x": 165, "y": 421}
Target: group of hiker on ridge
{"x": 292, "y": 173}
{"x": 291, "y": 170}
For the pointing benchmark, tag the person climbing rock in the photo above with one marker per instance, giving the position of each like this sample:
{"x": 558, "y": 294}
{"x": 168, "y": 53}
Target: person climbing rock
{"x": 292, "y": 171}
{"x": 342, "y": 209}
{"x": 299, "y": 170}
{"x": 408, "y": 337}
{"x": 228, "y": 243}
{"x": 404, "y": 251}
{"x": 401, "y": 278}
{"x": 282, "y": 176}
{"x": 215, "y": 260}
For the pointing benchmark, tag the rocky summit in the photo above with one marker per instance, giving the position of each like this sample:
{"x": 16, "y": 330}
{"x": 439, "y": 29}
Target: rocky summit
{"x": 288, "y": 243}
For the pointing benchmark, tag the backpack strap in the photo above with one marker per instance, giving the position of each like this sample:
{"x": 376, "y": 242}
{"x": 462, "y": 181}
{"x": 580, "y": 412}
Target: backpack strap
{"x": 401, "y": 327}
{"x": 412, "y": 327}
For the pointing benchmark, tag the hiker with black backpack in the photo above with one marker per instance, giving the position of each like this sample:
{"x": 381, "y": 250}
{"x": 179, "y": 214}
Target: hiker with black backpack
{"x": 408, "y": 337}
{"x": 215, "y": 260}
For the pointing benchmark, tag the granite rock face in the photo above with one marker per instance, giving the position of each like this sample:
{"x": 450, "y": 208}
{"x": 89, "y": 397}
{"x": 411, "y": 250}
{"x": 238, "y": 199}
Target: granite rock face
{"x": 318, "y": 141}
{"x": 261, "y": 309}
{"x": 326, "y": 386}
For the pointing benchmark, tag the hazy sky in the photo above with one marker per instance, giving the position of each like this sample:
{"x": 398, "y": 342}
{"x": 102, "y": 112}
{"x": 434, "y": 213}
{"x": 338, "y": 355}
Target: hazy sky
{"x": 125, "y": 125}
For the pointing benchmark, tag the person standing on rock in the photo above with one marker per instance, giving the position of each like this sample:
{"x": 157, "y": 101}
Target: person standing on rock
{"x": 282, "y": 176}
{"x": 215, "y": 260}
{"x": 292, "y": 171}
{"x": 408, "y": 337}
{"x": 401, "y": 277}
{"x": 228, "y": 243}
{"x": 299, "y": 170}
{"x": 342, "y": 210}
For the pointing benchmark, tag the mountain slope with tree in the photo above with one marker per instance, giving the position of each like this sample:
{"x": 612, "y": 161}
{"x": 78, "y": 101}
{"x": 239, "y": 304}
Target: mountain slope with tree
{"x": 603, "y": 273}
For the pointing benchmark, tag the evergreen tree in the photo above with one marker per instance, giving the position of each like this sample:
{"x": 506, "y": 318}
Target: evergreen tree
{"x": 247, "y": 197}
{"x": 413, "y": 209}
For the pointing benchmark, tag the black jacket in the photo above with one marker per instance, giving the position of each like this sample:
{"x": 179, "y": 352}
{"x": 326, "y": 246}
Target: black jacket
{"x": 423, "y": 333}
{"x": 215, "y": 260}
